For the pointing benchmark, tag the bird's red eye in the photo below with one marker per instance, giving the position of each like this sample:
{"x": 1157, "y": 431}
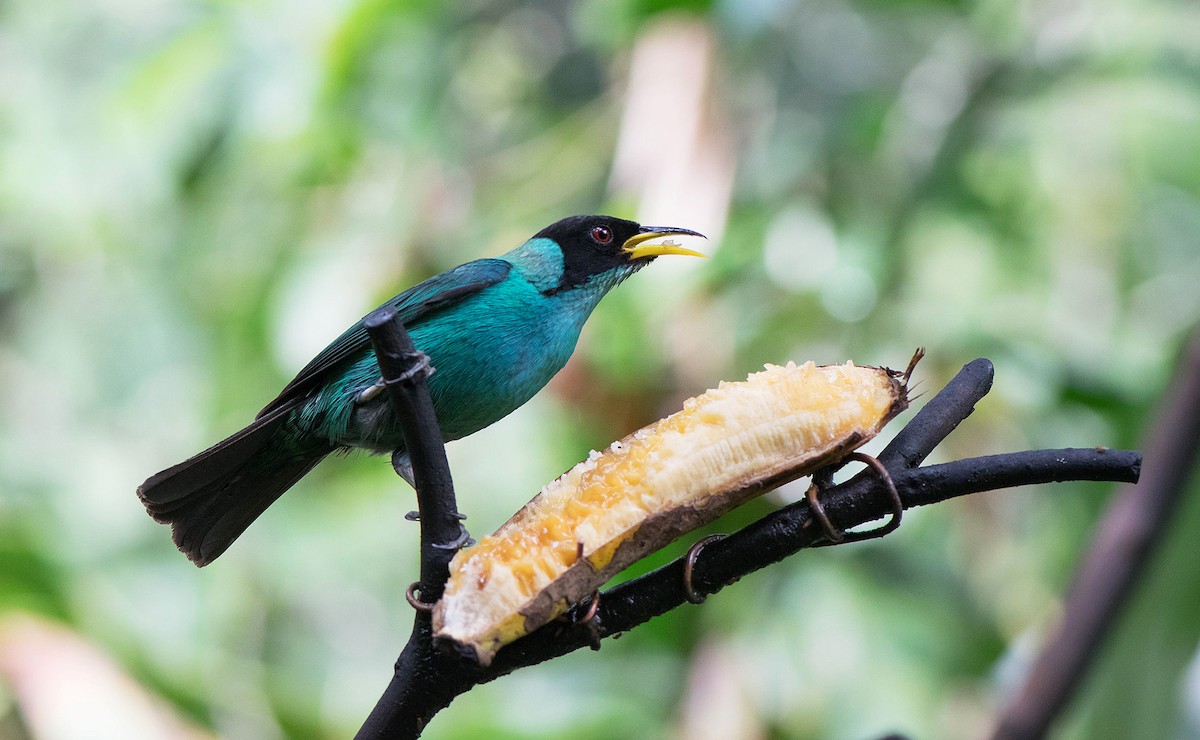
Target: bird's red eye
{"x": 602, "y": 234}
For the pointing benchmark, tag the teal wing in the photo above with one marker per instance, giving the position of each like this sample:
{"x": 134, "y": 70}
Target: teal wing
{"x": 435, "y": 294}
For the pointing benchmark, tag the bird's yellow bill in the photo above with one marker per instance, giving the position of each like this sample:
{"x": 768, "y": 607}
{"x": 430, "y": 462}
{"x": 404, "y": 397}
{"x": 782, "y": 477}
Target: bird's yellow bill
{"x": 636, "y": 246}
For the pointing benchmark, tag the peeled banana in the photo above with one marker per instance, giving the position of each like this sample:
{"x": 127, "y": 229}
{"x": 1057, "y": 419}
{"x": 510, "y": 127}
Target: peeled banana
{"x": 725, "y": 446}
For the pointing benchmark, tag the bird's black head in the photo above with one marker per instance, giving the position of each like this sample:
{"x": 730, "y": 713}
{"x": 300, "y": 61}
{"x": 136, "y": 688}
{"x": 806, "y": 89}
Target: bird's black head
{"x": 593, "y": 245}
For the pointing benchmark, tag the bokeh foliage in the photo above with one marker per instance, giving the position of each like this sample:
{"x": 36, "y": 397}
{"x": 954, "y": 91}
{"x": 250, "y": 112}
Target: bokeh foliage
{"x": 196, "y": 196}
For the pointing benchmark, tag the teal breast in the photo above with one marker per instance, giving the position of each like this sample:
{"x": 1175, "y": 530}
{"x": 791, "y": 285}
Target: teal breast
{"x": 495, "y": 353}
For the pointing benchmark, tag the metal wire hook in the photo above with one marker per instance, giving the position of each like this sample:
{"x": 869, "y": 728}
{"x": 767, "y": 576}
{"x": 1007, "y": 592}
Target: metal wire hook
{"x": 822, "y": 479}
{"x": 410, "y": 594}
{"x": 689, "y": 565}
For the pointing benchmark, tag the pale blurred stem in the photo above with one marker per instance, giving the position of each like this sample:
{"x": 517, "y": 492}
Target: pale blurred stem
{"x": 1125, "y": 540}
{"x": 987, "y": 86}
{"x": 1003, "y": 82}
{"x": 427, "y": 678}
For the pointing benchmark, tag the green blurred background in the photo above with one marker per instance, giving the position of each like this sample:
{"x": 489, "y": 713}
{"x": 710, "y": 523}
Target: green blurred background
{"x": 195, "y": 197}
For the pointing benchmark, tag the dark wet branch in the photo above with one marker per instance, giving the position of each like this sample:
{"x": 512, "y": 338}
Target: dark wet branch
{"x": 791, "y": 529}
{"x": 405, "y": 706}
{"x": 427, "y": 678}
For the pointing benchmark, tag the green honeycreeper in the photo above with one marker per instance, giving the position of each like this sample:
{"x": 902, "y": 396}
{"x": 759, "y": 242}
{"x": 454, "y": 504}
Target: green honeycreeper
{"x": 496, "y": 331}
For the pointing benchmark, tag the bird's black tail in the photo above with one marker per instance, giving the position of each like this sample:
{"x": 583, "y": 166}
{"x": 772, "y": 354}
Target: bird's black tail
{"x": 210, "y": 499}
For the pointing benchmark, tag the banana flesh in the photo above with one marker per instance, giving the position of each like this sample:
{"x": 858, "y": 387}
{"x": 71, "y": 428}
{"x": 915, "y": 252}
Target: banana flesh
{"x": 724, "y": 447}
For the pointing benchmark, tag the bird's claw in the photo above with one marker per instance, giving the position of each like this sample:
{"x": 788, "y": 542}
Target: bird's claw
{"x": 370, "y": 392}
{"x": 421, "y": 367}
{"x": 462, "y": 540}
{"x": 403, "y": 467}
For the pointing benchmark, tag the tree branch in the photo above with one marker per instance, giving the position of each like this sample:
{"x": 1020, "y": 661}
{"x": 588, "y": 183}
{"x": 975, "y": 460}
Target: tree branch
{"x": 791, "y": 529}
{"x": 403, "y": 709}
{"x": 1123, "y": 545}
{"x": 444, "y": 674}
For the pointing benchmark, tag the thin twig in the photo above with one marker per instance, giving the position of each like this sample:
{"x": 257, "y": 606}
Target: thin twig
{"x": 1126, "y": 539}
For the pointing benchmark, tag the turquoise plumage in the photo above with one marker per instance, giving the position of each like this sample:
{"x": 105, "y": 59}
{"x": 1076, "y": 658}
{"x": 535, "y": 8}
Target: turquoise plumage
{"x": 496, "y": 331}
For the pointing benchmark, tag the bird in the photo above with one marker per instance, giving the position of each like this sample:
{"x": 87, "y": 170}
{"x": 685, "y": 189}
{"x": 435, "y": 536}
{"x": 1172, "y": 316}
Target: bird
{"x": 495, "y": 331}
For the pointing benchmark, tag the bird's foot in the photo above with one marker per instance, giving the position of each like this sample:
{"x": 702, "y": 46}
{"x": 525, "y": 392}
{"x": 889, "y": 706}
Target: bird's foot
{"x": 370, "y": 392}
{"x": 421, "y": 367}
{"x": 403, "y": 466}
